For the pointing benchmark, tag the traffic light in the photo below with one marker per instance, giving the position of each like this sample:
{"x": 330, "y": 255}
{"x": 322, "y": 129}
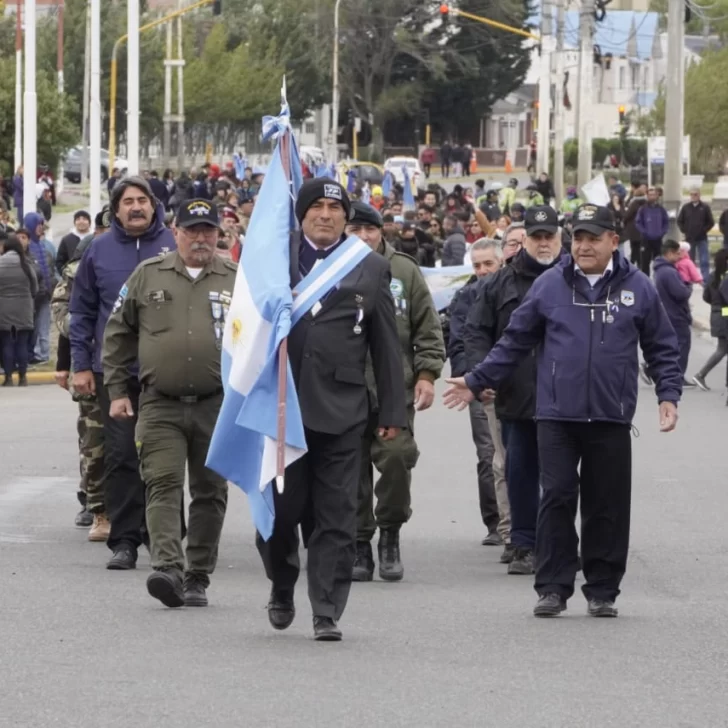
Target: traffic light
{"x": 217, "y": 7}
{"x": 622, "y": 115}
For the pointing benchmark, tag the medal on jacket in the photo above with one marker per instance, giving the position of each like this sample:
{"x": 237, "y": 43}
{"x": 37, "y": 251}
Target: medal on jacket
{"x": 359, "y": 319}
{"x": 217, "y": 319}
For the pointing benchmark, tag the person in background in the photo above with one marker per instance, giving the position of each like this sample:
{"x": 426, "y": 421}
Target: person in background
{"x": 428, "y": 159}
{"x": 716, "y": 294}
{"x": 507, "y": 196}
{"x": 41, "y": 253}
{"x": 445, "y": 158}
{"x": 616, "y": 207}
{"x": 652, "y": 223}
{"x": 637, "y": 198}
{"x": 486, "y": 258}
{"x": 688, "y": 271}
{"x": 545, "y": 187}
{"x": 113, "y": 179}
{"x": 512, "y": 241}
{"x": 69, "y": 242}
{"x": 18, "y": 289}
{"x": 675, "y": 297}
{"x": 45, "y": 203}
{"x": 159, "y": 188}
{"x": 453, "y": 251}
{"x": 18, "y": 193}
{"x": 695, "y": 221}
{"x": 571, "y": 202}
{"x": 517, "y": 212}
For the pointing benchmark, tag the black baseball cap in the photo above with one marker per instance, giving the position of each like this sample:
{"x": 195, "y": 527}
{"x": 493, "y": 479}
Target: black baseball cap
{"x": 541, "y": 219}
{"x": 593, "y": 219}
{"x": 364, "y": 214}
{"x": 197, "y": 212}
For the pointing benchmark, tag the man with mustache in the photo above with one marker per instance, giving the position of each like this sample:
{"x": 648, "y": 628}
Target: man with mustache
{"x": 171, "y": 315}
{"x": 137, "y": 233}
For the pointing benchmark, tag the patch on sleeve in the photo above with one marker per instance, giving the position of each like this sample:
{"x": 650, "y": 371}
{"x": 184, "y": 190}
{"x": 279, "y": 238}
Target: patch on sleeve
{"x": 120, "y": 300}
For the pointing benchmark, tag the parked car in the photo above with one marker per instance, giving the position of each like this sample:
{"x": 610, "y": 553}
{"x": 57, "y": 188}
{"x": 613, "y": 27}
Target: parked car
{"x": 365, "y": 172}
{"x": 394, "y": 166}
{"x": 72, "y": 165}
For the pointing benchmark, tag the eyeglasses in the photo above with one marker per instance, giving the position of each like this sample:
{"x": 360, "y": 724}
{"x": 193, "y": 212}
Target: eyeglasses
{"x": 207, "y": 232}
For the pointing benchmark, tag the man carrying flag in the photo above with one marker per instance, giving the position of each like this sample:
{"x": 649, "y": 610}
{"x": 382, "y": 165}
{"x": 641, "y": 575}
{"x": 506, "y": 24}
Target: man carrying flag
{"x": 352, "y": 318}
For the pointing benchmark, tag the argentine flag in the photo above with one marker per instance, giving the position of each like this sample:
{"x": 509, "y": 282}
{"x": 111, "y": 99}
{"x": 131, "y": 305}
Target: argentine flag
{"x": 244, "y": 444}
{"x": 407, "y": 196}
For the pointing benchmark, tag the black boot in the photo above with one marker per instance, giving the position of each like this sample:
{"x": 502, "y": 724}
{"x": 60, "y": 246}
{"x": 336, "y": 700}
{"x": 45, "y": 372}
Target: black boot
{"x": 167, "y": 587}
{"x": 390, "y": 565}
{"x": 22, "y": 380}
{"x": 363, "y": 563}
{"x": 8, "y": 380}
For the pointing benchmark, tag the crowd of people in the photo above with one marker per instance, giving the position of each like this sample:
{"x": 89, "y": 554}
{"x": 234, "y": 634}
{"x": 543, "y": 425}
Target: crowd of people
{"x": 542, "y": 343}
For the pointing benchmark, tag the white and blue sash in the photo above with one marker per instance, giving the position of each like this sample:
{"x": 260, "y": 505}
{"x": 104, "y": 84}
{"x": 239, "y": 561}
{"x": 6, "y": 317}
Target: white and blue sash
{"x": 327, "y": 275}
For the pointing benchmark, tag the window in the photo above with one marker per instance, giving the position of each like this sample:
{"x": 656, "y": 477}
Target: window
{"x": 622, "y": 77}
{"x": 310, "y": 127}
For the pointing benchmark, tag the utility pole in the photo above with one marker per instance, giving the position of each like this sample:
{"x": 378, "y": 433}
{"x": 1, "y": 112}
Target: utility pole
{"x": 86, "y": 95}
{"x": 334, "y": 149}
{"x": 543, "y": 142}
{"x": 180, "y": 94}
{"x": 586, "y": 83}
{"x": 674, "y": 109}
{"x": 132, "y": 87}
{"x": 95, "y": 111}
{"x": 167, "y": 119}
{"x": 59, "y": 66}
{"x": 559, "y": 69}
{"x": 30, "y": 102}
{"x": 18, "y": 85}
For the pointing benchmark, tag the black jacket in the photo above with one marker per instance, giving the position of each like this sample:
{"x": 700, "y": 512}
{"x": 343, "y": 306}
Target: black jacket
{"x": 630, "y": 231}
{"x": 458, "y": 314}
{"x": 160, "y": 190}
{"x": 329, "y": 358}
{"x": 66, "y": 249}
{"x": 695, "y": 221}
{"x": 717, "y": 297}
{"x": 497, "y": 297}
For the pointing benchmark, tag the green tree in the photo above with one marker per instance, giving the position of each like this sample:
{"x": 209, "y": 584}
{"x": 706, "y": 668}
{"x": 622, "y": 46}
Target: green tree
{"x": 57, "y": 127}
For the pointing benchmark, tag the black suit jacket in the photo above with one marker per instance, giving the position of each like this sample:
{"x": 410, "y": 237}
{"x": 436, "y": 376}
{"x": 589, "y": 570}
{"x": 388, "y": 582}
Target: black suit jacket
{"x": 328, "y": 358}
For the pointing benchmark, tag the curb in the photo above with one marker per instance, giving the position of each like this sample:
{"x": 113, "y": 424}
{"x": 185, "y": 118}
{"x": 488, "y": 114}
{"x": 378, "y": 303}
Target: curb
{"x": 38, "y": 378}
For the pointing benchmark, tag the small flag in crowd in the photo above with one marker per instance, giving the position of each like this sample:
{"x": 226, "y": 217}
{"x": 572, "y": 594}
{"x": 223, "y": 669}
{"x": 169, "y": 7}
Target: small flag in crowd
{"x": 386, "y": 184}
{"x": 366, "y": 194}
{"x": 407, "y": 197}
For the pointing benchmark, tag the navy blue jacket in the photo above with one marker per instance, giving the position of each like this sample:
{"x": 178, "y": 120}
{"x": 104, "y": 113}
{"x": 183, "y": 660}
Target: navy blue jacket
{"x": 459, "y": 307}
{"x": 587, "y": 366}
{"x": 652, "y": 222}
{"x": 109, "y": 261}
{"x": 674, "y": 293}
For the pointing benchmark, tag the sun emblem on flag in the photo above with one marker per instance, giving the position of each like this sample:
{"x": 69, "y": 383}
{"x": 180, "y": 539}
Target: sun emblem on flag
{"x": 237, "y": 330}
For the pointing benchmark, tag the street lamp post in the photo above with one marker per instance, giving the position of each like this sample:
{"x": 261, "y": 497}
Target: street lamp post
{"x": 333, "y": 150}
{"x": 30, "y": 129}
{"x": 95, "y": 111}
{"x": 132, "y": 87}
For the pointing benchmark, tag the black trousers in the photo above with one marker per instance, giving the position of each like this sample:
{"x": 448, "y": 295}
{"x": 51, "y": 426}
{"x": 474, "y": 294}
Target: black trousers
{"x": 320, "y": 493}
{"x": 485, "y": 449}
{"x": 123, "y": 486}
{"x": 604, "y": 451}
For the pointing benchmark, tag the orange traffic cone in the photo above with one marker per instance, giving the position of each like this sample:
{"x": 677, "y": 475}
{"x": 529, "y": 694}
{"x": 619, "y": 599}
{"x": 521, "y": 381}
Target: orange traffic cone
{"x": 473, "y": 163}
{"x": 509, "y": 167}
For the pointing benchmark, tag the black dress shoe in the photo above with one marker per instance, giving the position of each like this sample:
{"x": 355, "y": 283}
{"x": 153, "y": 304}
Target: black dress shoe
{"x": 167, "y": 587}
{"x": 281, "y": 610}
{"x": 602, "y": 608}
{"x": 325, "y": 630}
{"x": 122, "y": 560}
{"x": 84, "y": 518}
{"x": 549, "y": 605}
{"x": 194, "y": 591}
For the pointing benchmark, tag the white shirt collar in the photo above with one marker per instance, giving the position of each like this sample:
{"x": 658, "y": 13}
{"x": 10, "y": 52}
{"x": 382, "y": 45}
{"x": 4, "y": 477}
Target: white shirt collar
{"x": 316, "y": 247}
{"x": 594, "y": 277}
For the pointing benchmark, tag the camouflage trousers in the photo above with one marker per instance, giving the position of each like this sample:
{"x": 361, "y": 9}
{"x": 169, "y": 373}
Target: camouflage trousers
{"x": 91, "y": 451}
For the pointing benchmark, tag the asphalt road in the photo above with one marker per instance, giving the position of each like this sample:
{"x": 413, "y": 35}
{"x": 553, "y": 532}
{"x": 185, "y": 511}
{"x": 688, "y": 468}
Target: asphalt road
{"x": 453, "y": 645}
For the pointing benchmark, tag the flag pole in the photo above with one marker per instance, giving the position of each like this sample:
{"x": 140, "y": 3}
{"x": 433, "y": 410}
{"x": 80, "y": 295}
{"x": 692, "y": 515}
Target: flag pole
{"x": 283, "y": 348}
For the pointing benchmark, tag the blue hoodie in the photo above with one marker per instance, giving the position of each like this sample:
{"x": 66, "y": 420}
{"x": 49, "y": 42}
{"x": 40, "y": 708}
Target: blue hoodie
{"x": 674, "y": 293}
{"x": 588, "y": 366}
{"x": 105, "y": 266}
{"x": 40, "y": 253}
